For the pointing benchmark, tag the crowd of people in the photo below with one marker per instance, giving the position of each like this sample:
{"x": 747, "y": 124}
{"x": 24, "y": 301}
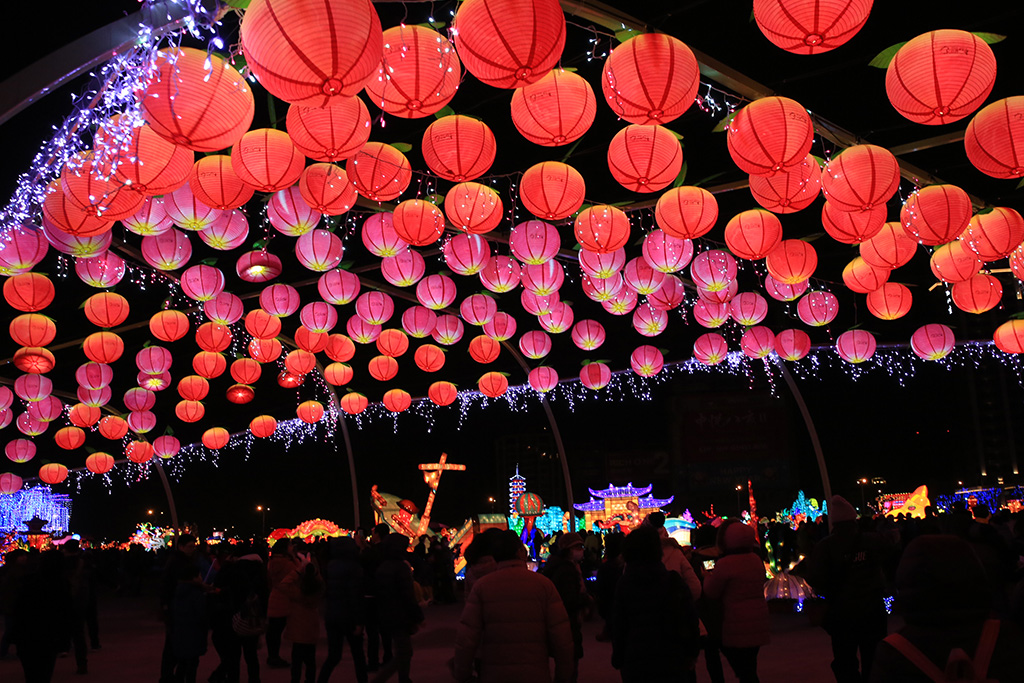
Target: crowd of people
{"x": 957, "y": 578}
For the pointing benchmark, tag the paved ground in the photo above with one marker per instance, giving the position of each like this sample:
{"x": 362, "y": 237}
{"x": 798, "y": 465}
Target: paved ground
{"x": 132, "y": 639}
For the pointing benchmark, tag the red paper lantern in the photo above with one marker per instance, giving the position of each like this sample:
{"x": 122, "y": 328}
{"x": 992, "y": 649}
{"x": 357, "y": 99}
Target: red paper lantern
{"x": 113, "y": 427}
{"x": 46, "y": 409}
{"x": 509, "y": 43}
{"x": 936, "y": 214}
{"x": 602, "y": 229}
{"x": 769, "y": 135}
{"x": 90, "y": 185}
{"x": 392, "y": 343}
{"x": 197, "y": 100}
{"x": 213, "y": 337}
{"x": 215, "y": 438}
{"x": 418, "y": 223}
{"x": 996, "y": 234}
{"x": 757, "y": 342}
{"x": 354, "y": 403}
{"x": 266, "y": 160}
{"x": 862, "y": 277}
{"x": 338, "y": 287}
{"x": 686, "y": 212}
{"x": 215, "y": 183}
{"x": 429, "y": 358}
{"x": 483, "y": 349}
{"x": 32, "y": 329}
{"x": 1009, "y": 337}
{"x": 552, "y": 190}
{"x": 310, "y": 411}
{"x": 240, "y": 394}
{"x": 332, "y": 133}
{"x": 24, "y": 249}
{"x": 595, "y": 376}
{"x": 338, "y": 374}
{"x": 139, "y": 451}
{"x": 209, "y": 364}
{"x": 535, "y": 242}
{"x": 994, "y": 139}
{"x": 891, "y": 248}
{"x": 34, "y": 359}
{"x": 603, "y": 266}
{"x": 187, "y": 211}
{"x": 264, "y": 350}
{"x": 28, "y": 292}
{"x": 890, "y": 301}
{"x": 262, "y": 325}
{"x": 753, "y": 234}
{"x": 101, "y": 271}
{"x": 103, "y": 347}
{"x": 327, "y": 189}
{"x": 313, "y": 342}
{"x": 492, "y": 384}
{"x": 556, "y": 110}
{"x": 53, "y": 473}
{"x": 245, "y": 371}
{"x": 535, "y": 344}
{"x": 82, "y": 415}
{"x": 852, "y": 227}
{"x": 856, "y": 346}
{"x": 466, "y": 254}
{"x": 189, "y": 411}
{"x": 383, "y": 368}
{"x": 106, "y": 309}
{"x": 339, "y": 348}
{"x": 940, "y": 76}
{"x": 145, "y": 161}
{"x": 792, "y": 344}
{"x": 193, "y": 388}
{"x": 644, "y": 158}
{"x": 62, "y": 214}
{"x": 300, "y": 362}
{"x": 138, "y": 399}
{"x": 263, "y": 426}
{"x": 652, "y": 78}
{"x": 932, "y": 341}
{"x": 418, "y": 74}
{"x": 817, "y": 309}
{"x": 396, "y": 400}
{"x": 860, "y": 178}
{"x": 379, "y": 172}
{"x": 312, "y": 53}
{"x": 789, "y": 191}
{"x": 954, "y": 262}
{"x": 977, "y": 295}
{"x": 748, "y": 308}
{"x": 167, "y": 251}
{"x": 713, "y": 270}
{"x": 810, "y": 27}
{"x": 99, "y": 463}
{"x": 458, "y": 148}
{"x": 443, "y": 393}
{"x": 473, "y": 208}
{"x": 10, "y": 483}
{"x": 448, "y": 330}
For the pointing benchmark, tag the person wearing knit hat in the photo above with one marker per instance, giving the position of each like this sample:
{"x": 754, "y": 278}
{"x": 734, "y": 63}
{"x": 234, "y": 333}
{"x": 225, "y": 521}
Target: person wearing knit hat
{"x": 846, "y": 570}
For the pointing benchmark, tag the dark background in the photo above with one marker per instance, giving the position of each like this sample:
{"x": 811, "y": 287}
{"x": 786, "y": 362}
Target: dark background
{"x": 698, "y": 436}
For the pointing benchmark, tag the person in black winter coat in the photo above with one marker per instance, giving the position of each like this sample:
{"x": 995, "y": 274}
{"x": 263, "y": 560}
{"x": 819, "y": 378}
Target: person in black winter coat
{"x": 398, "y": 611}
{"x": 42, "y": 616}
{"x": 654, "y": 620}
{"x": 345, "y": 613}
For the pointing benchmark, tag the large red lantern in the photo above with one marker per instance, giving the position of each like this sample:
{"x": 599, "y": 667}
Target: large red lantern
{"x": 418, "y": 222}
{"x": 87, "y": 183}
{"x": 602, "y": 229}
{"x": 20, "y": 450}
{"x": 509, "y": 43}
{"x": 429, "y": 358}
{"x": 492, "y": 384}
{"x": 792, "y": 344}
{"x": 215, "y": 438}
{"x": 99, "y": 463}
{"x": 113, "y": 427}
{"x": 448, "y": 330}
{"x": 10, "y": 483}
{"x": 300, "y": 362}
{"x": 995, "y": 234}
{"x": 473, "y": 207}
{"x": 62, "y": 214}
{"x": 535, "y": 242}
{"x": 792, "y": 261}
{"x": 338, "y": 287}
{"x": 852, "y": 227}
{"x": 193, "y": 388}
{"x": 46, "y": 409}
{"x": 32, "y": 329}
{"x": 995, "y": 139}
{"x": 753, "y": 234}
{"x": 392, "y": 343}
{"x": 187, "y": 211}
{"x": 788, "y": 191}
{"x": 29, "y": 292}
{"x": 466, "y": 254}
{"x": 379, "y": 172}
{"x": 264, "y": 350}
{"x": 383, "y": 368}
{"x": 418, "y": 75}
{"x": 327, "y": 189}
{"x": 458, "y": 148}
{"x": 856, "y": 346}
{"x": 263, "y": 426}
{"x": 332, "y": 133}
{"x": 686, "y": 212}
{"x": 53, "y": 473}
{"x": 954, "y": 262}
{"x": 890, "y": 301}
{"x": 1009, "y": 337}
{"x": 338, "y": 374}
{"x": 652, "y": 78}
{"x": 817, "y": 309}
{"x": 443, "y": 393}
{"x": 891, "y": 248}
{"x": 556, "y": 110}
{"x": 189, "y": 411}
{"x": 197, "y": 100}
{"x": 862, "y": 277}
{"x": 941, "y": 76}
{"x": 354, "y": 403}
{"x": 397, "y": 400}
{"x": 810, "y": 27}
{"x": 213, "y": 337}
{"x": 309, "y": 52}
{"x": 139, "y": 451}
{"x": 209, "y": 364}
{"x": 266, "y": 160}
{"x": 313, "y": 342}
{"x": 644, "y": 158}
{"x": 215, "y": 183}
{"x": 103, "y": 347}
{"x": 932, "y": 341}
{"x": 262, "y": 325}
{"x": 310, "y": 411}
{"x": 34, "y": 359}
{"x": 936, "y": 214}
{"x": 483, "y": 349}
{"x": 769, "y": 135}
{"x": 860, "y": 178}
{"x": 339, "y": 348}
{"x": 977, "y": 295}
{"x": 83, "y": 416}
{"x": 552, "y": 190}
{"x": 31, "y": 388}
{"x": 146, "y": 161}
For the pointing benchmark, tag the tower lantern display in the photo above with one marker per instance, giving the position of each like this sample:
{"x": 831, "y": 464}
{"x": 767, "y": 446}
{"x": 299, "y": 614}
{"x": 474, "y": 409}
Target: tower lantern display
{"x": 516, "y": 488}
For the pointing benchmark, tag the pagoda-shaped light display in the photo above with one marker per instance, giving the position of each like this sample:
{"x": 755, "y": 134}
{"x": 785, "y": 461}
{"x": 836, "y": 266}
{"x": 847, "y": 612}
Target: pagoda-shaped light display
{"x": 516, "y": 488}
{"x": 621, "y": 506}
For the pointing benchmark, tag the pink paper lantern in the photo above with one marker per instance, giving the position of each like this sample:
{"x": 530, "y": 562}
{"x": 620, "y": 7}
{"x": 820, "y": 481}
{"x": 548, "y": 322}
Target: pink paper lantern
{"x": 558, "y": 319}
{"x": 603, "y": 265}
{"x": 535, "y": 242}
{"x": 543, "y": 378}
{"x": 792, "y": 344}
{"x": 538, "y": 305}
{"x": 649, "y": 321}
{"x": 711, "y": 314}
{"x": 258, "y": 266}
{"x": 229, "y": 231}
{"x": 932, "y": 341}
{"x": 602, "y": 290}
{"x": 500, "y": 274}
{"x": 361, "y": 331}
{"x": 544, "y": 278}
{"x": 374, "y": 307}
{"x": 535, "y": 344}
{"x": 646, "y": 361}
{"x": 448, "y": 330}
{"x": 153, "y": 360}
{"x": 639, "y": 276}
{"x": 338, "y": 287}
{"x": 379, "y": 236}
{"x": 202, "y": 282}
{"x": 757, "y": 342}
{"x": 225, "y": 308}
{"x": 101, "y": 271}
{"x": 436, "y": 292}
{"x": 501, "y": 327}
{"x": 595, "y": 376}
{"x": 290, "y": 214}
{"x": 318, "y": 316}
{"x": 279, "y": 300}
{"x": 404, "y": 269}
{"x": 670, "y": 296}
{"x": 856, "y": 346}
{"x": 150, "y": 219}
{"x": 783, "y": 292}
{"x": 478, "y": 309}
{"x": 467, "y": 254}
{"x": 588, "y": 334}
{"x": 167, "y": 251}
{"x": 622, "y": 303}
{"x": 817, "y": 308}
{"x": 748, "y": 308}
{"x": 710, "y": 348}
{"x": 319, "y": 250}
{"x": 419, "y": 321}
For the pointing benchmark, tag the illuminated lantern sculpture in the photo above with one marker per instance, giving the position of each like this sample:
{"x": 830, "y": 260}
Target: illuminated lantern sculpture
{"x": 310, "y": 411}
{"x": 23, "y": 249}
{"x": 891, "y": 248}
{"x": 483, "y": 349}
{"x": 783, "y": 292}
{"x": 103, "y": 347}
{"x": 167, "y": 251}
{"x": 28, "y": 292}
{"x": 543, "y": 379}
{"x": 757, "y": 342}
{"x": 319, "y": 250}
{"x": 710, "y": 348}
{"x": 202, "y": 282}
{"x": 979, "y": 294}
{"x": 1009, "y": 337}
{"x": 954, "y": 262}
{"x": 197, "y": 100}
{"x": 535, "y": 242}
{"x": 500, "y": 274}
{"x": 651, "y": 78}
{"x": 113, "y": 427}
{"x": 418, "y": 74}
{"x": 392, "y": 343}
{"x": 466, "y": 254}
{"x": 146, "y": 161}
{"x": 860, "y": 178}
{"x": 458, "y": 148}
{"x": 99, "y": 463}
{"x": 473, "y": 208}
{"x": 993, "y": 139}
{"x": 817, "y": 308}
{"x": 327, "y": 189}
{"x": 94, "y": 398}
{"x": 544, "y": 278}
{"x": 753, "y": 234}
{"x": 139, "y": 451}
{"x": 338, "y": 287}
{"x": 538, "y": 305}
{"x": 492, "y": 384}
{"x": 429, "y": 358}
{"x": 228, "y": 231}
{"x": 258, "y": 266}
{"x": 312, "y": 54}
{"x": 710, "y": 314}
{"x": 588, "y": 334}
{"x": 792, "y": 344}
{"x": 332, "y": 133}
{"x": 792, "y": 261}
{"x": 245, "y": 371}
{"x": 810, "y": 27}
{"x": 602, "y": 229}
{"x": 262, "y": 325}
{"x": 646, "y": 361}
{"x": 225, "y": 308}
{"x": 556, "y": 110}
{"x": 535, "y": 344}
{"x": 279, "y": 300}
{"x": 448, "y": 330}
{"x": 940, "y": 77}
{"x": 188, "y": 212}
{"x": 622, "y": 303}
{"x": 152, "y": 218}
{"x": 361, "y": 331}
{"x": 379, "y": 172}
{"x": 340, "y": 348}
{"x": 264, "y": 350}
{"x": 713, "y": 270}
{"x": 789, "y": 191}
{"x": 29, "y": 426}
{"x": 890, "y": 301}
{"x": 649, "y": 321}
{"x": 501, "y": 327}
{"x": 318, "y": 316}
{"x": 213, "y": 337}
{"x": 442, "y": 393}
{"x": 266, "y": 160}
{"x": 354, "y": 403}
{"x": 53, "y": 473}
{"x": 215, "y": 183}
{"x": 936, "y": 214}
{"x": 748, "y": 308}
{"x": 663, "y": 252}
{"x": 595, "y": 376}
{"x": 552, "y": 190}
{"x": 645, "y": 158}
{"x": 852, "y": 227}
{"x": 32, "y": 329}
{"x": 932, "y": 341}
{"x": 101, "y": 271}
{"x": 215, "y": 438}
{"x": 769, "y": 135}
{"x": 396, "y": 400}
{"x": 20, "y": 450}
{"x": 62, "y": 215}
{"x": 509, "y": 43}
{"x": 995, "y": 234}
{"x": 419, "y": 321}
{"x": 598, "y": 289}
{"x": 418, "y": 222}
{"x": 209, "y": 364}
{"x": 639, "y": 276}
{"x": 290, "y": 214}
{"x": 375, "y": 308}
{"x": 856, "y": 346}
{"x": 46, "y": 409}
{"x": 89, "y": 186}
{"x": 558, "y": 319}
{"x": 862, "y": 277}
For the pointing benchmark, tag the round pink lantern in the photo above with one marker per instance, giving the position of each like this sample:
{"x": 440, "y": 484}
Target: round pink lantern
{"x": 478, "y": 309}
{"x": 639, "y": 276}
{"x": 711, "y": 314}
{"x": 713, "y": 270}
{"x": 558, "y": 319}
{"x": 535, "y": 242}
{"x": 379, "y": 236}
{"x": 602, "y": 265}
{"x": 318, "y": 316}
{"x": 544, "y": 278}
{"x": 338, "y": 287}
{"x": 670, "y": 296}
{"x": 664, "y": 252}
{"x": 543, "y": 378}
{"x": 467, "y": 254}
{"x": 535, "y": 344}
{"x": 501, "y": 327}
{"x": 710, "y": 348}
{"x": 595, "y": 376}
{"x": 229, "y": 231}
{"x": 501, "y": 274}
{"x": 757, "y": 342}
{"x": 258, "y": 266}
{"x": 856, "y": 346}
{"x": 448, "y": 330}
{"x": 748, "y": 308}
{"x": 792, "y": 344}
{"x": 646, "y": 360}
{"x": 225, "y": 308}
{"x": 932, "y": 342}
{"x": 202, "y": 282}
{"x": 279, "y": 300}
{"x": 649, "y": 321}
{"x": 101, "y": 271}
{"x": 375, "y": 308}
{"x": 419, "y": 321}
{"x": 817, "y": 308}
{"x": 783, "y": 292}
{"x": 319, "y": 250}
{"x": 436, "y": 292}
{"x": 153, "y": 360}
{"x": 167, "y": 251}
{"x": 588, "y": 334}
{"x": 290, "y": 214}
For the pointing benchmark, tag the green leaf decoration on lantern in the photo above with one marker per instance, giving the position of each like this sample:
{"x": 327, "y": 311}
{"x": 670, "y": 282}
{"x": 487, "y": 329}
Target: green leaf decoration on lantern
{"x": 272, "y": 110}
{"x": 812, "y": 237}
{"x": 345, "y": 265}
{"x": 681, "y": 178}
{"x": 572, "y": 148}
{"x": 237, "y": 4}
{"x": 259, "y": 245}
{"x": 726, "y": 121}
{"x": 1020, "y": 184}
{"x": 990, "y": 38}
{"x": 821, "y": 162}
{"x": 402, "y": 147}
{"x": 883, "y": 58}
{"x": 212, "y": 261}
{"x": 435, "y": 199}
{"x": 625, "y": 34}
{"x": 713, "y": 176}
{"x": 570, "y": 69}
{"x": 446, "y": 111}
